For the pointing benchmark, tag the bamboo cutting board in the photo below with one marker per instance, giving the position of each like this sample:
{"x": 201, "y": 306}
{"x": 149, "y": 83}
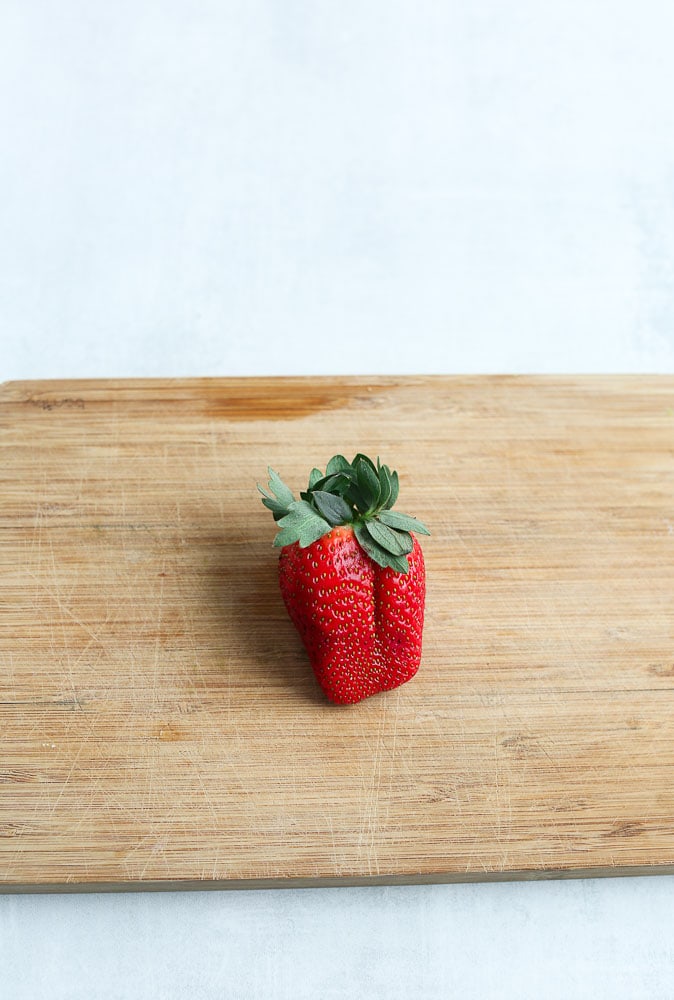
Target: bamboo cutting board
{"x": 159, "y": 723}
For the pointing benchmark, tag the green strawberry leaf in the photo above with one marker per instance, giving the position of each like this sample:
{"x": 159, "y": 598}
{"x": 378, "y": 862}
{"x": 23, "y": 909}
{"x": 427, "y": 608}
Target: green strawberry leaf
{"x": 313, "y": 530}
{"x": 368, "y": 482}
{"x": 337, "y": 464}
{"x": 338, "y": 482}
{"x": 302, "y": 524}
{"x": 378, "y": 554}
{"x": 398, "y": 543}
{"x": 354, "y": 496}
{"x": 333, "y": 508}
{"x": 403, "y": 522}
{"x": 399, "y": 564}
{"x": 279, "y": 488}
{"x": 314, "y": 476}
{"x": 385, "y": 485}
{"x": 298, "y": 510}
{"x": 275, "y": 506}
{"x": 395, "y": 485}
{"x": 363, "y": 458}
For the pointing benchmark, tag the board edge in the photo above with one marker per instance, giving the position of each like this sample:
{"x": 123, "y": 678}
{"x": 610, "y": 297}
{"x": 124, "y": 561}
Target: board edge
{"x": 338, "y": 881}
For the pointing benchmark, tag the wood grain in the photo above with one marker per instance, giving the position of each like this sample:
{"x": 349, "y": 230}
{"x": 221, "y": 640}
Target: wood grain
{"x": 160, "y": 726}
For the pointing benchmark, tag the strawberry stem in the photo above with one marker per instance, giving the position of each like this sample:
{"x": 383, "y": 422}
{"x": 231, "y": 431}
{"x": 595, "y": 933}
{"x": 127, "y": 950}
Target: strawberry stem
{"x": 357, "y": 493}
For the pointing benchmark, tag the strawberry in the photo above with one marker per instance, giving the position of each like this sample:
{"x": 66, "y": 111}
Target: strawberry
{"x": 352, "y": 576}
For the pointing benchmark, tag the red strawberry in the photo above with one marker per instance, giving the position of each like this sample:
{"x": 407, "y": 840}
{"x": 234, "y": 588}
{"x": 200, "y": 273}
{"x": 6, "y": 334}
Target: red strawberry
{"x": 352, "y": 576}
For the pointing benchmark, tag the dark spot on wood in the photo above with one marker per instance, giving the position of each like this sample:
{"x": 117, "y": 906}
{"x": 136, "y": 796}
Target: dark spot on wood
{"x": 570, "y": 806}
{"x": 73, "y": 703}
{"x": 661, "y": 669}
{"x": 627, "y": 829}
{"x": 520, "y": 745}
{"x": 436, "y": 793}
{"x": 285, "y": 399}
{"x": 16, "y": 775}
{"x": 70, "y": 403}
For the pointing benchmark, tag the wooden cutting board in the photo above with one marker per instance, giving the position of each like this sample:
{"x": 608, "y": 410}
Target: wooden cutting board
{"x": 159, "y": 722}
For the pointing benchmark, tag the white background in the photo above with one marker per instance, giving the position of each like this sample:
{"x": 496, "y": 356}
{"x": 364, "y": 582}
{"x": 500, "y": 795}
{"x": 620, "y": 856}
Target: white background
{"x": 285, "y": 187}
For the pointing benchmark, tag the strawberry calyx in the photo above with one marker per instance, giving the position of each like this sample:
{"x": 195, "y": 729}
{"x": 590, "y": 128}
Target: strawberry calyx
{"x": 357, "y": 493}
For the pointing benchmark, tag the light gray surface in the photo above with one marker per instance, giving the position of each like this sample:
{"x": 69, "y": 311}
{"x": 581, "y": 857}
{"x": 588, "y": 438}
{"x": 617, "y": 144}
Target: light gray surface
{"x": 195, "y": 187}
{"x": 215, "y": 188}
{"x": 598, "y": 939}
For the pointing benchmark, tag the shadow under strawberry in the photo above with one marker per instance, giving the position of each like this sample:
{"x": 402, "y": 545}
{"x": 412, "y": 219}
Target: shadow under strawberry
{"x": 262, "y": 649}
